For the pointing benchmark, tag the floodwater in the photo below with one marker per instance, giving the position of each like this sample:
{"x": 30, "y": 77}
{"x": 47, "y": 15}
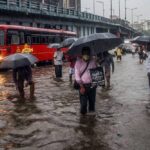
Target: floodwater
{"x": 52, "y": 121}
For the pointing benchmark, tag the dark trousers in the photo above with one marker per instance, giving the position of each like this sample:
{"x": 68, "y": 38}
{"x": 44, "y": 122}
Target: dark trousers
{"x": 87, "y": 100}
{"x": 20, "y": 87}
{"x": 148, "y": 74}
{"x": 119, "y": 58}
{"x": 58, "y": 71}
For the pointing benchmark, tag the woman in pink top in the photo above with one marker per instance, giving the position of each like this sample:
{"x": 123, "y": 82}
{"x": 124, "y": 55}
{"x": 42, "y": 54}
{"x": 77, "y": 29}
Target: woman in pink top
{"x": 87, "y": 93}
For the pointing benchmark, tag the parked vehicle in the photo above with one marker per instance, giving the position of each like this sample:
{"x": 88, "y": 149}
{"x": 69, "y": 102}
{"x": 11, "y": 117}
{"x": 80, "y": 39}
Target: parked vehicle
{"x": 32, "y": 40}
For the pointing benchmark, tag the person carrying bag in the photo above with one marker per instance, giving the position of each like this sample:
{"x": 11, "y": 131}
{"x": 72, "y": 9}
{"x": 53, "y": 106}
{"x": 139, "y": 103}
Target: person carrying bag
{"x": 87, "y": 92}
{"x": 76, "y": 85}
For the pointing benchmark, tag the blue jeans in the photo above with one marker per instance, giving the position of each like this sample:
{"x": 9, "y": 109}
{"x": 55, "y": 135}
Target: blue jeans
{"x": 87, "y": 100}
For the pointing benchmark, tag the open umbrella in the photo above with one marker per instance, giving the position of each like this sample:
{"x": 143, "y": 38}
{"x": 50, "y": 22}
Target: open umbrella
{"x": 98, "y": 42}
{"x": 54, "y": 45}
{"x": 67, "y": 42}
{"x": 18, "y": 60}
{"x": 141, "y": 39}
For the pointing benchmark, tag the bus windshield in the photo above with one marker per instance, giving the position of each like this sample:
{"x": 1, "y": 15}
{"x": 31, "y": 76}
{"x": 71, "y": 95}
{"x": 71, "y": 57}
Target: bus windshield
{"x": 1, "y": 37}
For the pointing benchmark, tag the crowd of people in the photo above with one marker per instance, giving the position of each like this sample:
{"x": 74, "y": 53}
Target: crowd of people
{"x": 80, "y": 68}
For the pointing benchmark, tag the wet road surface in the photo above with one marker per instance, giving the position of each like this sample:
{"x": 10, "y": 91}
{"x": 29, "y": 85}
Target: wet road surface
{"x": 52, "y": 121}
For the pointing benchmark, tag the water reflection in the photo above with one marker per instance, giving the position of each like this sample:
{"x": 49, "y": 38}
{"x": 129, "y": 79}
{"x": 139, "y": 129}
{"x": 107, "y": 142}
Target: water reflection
{"x": 52, "y": 120}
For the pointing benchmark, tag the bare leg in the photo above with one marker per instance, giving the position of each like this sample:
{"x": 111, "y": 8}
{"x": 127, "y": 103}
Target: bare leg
{"x": 21, "y": 89}
{"x": 32, "y": 88}
{"x": 70, "y": 78}
{"x": 108, "y": 82}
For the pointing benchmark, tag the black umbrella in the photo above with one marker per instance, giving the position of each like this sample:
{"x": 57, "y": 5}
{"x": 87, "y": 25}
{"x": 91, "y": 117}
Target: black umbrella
{"x": 67, "y": 42}
{"x": 18, "y": 60}
{"x": 98, "y": 42}
{"x": 54, "y": 45}
{"x": 141, "y": 39}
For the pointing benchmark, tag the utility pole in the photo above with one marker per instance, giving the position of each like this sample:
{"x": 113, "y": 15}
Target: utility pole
{"x": 94, "y": 7}
{"x": 103, "y": 7}
{"x": 111, "y": 9}
{"x": 132, "y": 14}
{"x": 119, "y": 9}
{"x": 125, "y": 9}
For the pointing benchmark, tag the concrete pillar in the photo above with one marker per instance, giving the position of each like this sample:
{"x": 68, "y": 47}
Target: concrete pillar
{"x": 87, "y": 30}
{"x": 81, "y": 31}
{"x": 19, "y": 3}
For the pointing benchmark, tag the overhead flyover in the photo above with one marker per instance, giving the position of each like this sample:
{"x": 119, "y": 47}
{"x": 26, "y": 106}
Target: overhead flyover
{"x": 34, "y": 13}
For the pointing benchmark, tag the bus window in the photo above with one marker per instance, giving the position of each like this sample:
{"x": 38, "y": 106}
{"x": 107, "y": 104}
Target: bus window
{"x": 36, "y": 39}
{"x": 1, "y": 38}
{"x": 57, "y": 39}
{"x": 44, "y": 40}
{"x": 51, "y": 39}
{"x": 15, "y": 39}
{"x": 28, "y": 39}
{"x": 22, "y": 39}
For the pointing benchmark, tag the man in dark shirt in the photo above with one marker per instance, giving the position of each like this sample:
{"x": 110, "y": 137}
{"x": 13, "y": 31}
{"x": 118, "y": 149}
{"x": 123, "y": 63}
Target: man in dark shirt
{"x": 106, "y": 61}
{"x": 20, "y": 75}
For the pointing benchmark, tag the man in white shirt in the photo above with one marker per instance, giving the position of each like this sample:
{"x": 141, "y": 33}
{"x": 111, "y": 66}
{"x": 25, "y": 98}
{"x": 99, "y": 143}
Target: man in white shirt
{"x": 58, "y": 61}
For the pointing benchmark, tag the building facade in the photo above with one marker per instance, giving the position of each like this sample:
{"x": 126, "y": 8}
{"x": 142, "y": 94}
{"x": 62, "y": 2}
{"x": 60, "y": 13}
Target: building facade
{"x": 71, "y": 4}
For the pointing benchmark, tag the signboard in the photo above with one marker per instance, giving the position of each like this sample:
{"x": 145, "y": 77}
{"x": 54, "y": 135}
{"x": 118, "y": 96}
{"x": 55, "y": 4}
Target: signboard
{"x": 97, "y": 75}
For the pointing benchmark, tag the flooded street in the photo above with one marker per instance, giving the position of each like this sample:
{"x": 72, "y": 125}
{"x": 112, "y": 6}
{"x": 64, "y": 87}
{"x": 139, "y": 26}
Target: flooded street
{"x": 52, "y": 121}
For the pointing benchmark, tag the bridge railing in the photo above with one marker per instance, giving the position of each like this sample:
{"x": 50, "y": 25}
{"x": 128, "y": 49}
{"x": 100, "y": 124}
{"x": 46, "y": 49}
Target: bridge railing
{"x": 40, "y": 8}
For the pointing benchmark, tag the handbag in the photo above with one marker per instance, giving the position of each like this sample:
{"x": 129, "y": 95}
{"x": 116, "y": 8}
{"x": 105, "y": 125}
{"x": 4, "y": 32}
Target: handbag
{"x": 76, "y": 85}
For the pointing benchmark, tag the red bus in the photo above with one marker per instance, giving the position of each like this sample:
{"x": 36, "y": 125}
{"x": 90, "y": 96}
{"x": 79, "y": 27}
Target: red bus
{"x": 30, "y": 40}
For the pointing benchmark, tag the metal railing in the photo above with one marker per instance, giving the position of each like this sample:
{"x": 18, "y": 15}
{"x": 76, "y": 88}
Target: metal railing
{"x": 35, "y": 7}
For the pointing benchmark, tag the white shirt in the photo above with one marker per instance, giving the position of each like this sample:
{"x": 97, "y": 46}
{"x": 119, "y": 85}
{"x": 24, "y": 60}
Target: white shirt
{"x": 58, "y": 56}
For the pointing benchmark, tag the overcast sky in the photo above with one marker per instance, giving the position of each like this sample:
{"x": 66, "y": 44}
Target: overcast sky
{"x": 143, "y": 8}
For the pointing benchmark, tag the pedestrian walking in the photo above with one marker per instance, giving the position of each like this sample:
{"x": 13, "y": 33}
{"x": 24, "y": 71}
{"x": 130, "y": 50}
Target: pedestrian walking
{"x": 119, "y": 53}
{"x": 133, "y": 50}
{"x": 142, "y": 54}
{"x": 20, "y": 75}
{"x": 72, "y": 61}
{"x": 58, "y": 62}
{"x": 106, "y": 61}
{"x": 87, "y": 92}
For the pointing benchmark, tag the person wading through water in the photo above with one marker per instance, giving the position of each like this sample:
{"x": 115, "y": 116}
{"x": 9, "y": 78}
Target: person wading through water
{"x": 87, "y": 93}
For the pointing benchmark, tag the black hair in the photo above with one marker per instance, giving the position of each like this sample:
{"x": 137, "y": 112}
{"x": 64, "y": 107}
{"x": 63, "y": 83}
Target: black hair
{"x": 86, "y": 50}
{"x": 105, "y": 54}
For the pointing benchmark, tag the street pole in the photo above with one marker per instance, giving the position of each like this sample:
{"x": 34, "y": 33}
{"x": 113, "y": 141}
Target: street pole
{"x": 119, "y": 9}
{"x": 132, "y": 14}
{"x": 101, "y": 2}
{"x": 125, "y": 9}
{"x": 94, "y": 7}
{"x": 111, "y": 9}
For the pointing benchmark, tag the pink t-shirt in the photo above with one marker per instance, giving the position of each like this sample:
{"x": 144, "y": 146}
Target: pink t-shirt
{"x": 80, "y": 65}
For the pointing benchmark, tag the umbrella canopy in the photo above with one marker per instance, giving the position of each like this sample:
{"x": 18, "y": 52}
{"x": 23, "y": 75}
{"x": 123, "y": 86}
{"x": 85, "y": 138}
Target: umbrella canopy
{"x": 54, "y": 45}
{"x": 98, "y": 42}
{"x": 141, "y": 39}
{"x": 67, "y": 42}
{"x": 18, "y": 60}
